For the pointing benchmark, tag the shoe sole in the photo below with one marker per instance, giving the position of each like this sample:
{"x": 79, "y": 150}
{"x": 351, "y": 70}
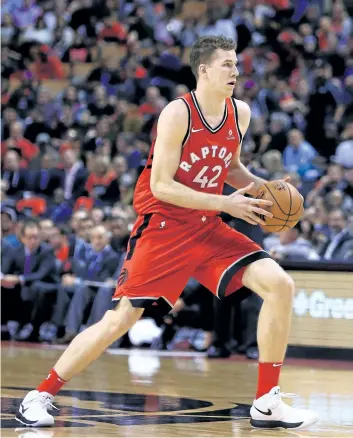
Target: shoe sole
{"x": 266, "y": 424}
{"x": 21, "y": 419}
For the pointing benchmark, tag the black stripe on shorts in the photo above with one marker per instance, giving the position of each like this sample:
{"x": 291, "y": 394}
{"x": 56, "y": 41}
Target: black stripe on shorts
{"x": 161, "y": 304}
{"x": 139, "y": 231}
{"x": 229, "y": 274}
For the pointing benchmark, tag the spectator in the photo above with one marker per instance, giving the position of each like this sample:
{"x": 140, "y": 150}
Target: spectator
{"x": 7, "y": 31}
{"x": 333, "y": 179}
{"x": 99, "y": 180}
{"x": 288, "y": 245}
{"x": 39, "y": 33}
{"x": 298, "y": 155}
{"x": 6, "y": 201}
{"x": 47, "y": 65}
{"x": 344, "y": 151}
{"x": 112, "y": 31}
{"x": 339, "y": 235}
{"x": 63, "y": 250}
{"x": 322, "y": 106}
{"x": 27, "y": 150}
{"x": 46, "y": 227}
{"x": 8, "y": 227}
{"x": 98, "y": 265}
{"x": 103, "y": 297}
{"x": 24, "y": 98}
{"x": 84, "y": 228}
{"x": 100, "y": 105}
{"x": 27, "y": 14}
{"x": 28, "y": 274}
{"x": 46, "y": 180}
{"x": 149, "y": 106}
{"x": 74, "y": 175}
{"x": 59, "y": 210}
{"x": 97, "y": 216}
{"x": 337, "y": 200}
{"x": 119, "y": 233}
{"x": 17, "y": 179}
{"x": 9, "y": 116}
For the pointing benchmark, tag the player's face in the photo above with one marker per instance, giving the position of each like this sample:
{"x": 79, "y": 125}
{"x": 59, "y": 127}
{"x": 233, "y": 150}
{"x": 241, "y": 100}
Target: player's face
{"x": 222, "y": 71}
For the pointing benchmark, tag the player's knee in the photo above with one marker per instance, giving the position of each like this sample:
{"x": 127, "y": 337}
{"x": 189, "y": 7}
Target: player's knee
{"x": 278, "y": 287}
{"x": 285, "y": 287}
{"x": 115, "y": 323}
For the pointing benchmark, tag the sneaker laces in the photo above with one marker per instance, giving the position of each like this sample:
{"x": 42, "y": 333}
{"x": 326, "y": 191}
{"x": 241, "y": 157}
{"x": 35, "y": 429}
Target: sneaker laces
{"x": 287, "y": 394}
{"x": 45, "y": 402}
{"x": 277, "y": 397}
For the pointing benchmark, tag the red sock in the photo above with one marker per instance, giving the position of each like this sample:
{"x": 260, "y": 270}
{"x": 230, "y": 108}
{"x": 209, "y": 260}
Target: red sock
{"x": 268, "y": 377}
{"x": 52, "y": 383}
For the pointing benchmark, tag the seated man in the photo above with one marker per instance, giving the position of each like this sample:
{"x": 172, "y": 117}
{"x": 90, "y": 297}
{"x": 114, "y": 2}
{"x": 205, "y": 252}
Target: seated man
{"x": 103, "y": 297}
{"x": 289, "y": 245}
{"x": 28, "y": 274}
{"x": 91, "y": 267}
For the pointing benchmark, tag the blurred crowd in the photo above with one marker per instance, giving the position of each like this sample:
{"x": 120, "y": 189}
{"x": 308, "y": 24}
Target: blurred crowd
{"x": 83, "y": 84}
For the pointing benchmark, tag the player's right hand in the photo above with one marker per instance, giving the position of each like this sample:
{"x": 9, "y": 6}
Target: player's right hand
{"x": 248, "y": 209}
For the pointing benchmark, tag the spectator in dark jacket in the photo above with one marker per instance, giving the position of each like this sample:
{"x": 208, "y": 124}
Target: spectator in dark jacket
{"x": 17, "y": 179}
{"x": 28, "y": 273}
{"x": 338, "y": 237}
{"x": 74, "y": 175}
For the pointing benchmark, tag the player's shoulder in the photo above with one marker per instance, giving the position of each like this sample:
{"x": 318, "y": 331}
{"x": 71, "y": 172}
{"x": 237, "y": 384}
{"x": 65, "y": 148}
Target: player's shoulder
{"x": 244, "y": 113}
{"x": 175, "y": 114}
{"x": 243, "y": 108}
{"x": 176, "y": 109}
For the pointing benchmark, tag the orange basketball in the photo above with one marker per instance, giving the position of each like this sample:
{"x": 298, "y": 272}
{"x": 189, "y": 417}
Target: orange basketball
{"x": 287, "y": 208}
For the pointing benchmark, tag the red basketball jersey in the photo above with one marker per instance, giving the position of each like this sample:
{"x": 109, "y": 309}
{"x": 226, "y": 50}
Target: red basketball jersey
{"x": 206, "y": 156}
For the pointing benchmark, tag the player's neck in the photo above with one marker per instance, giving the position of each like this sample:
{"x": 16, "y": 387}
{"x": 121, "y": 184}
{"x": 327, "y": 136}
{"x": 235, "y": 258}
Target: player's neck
{"x": 211, "y": 103}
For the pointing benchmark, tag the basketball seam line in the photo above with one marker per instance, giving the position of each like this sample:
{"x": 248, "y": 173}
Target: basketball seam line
{"x": 290, "y": 204}
{"x": 300, "y": 206}
{"x": 277, "y": 225}
{"x": 283, "y": 220}
{"x": 275, "y": 199}
{"x": 287, "y": 214}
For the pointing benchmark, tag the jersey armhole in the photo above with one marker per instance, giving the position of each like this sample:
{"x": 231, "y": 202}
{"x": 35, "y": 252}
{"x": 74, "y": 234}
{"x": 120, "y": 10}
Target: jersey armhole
{"x": 187, "y": 134}
{"x": 236, "y": 116}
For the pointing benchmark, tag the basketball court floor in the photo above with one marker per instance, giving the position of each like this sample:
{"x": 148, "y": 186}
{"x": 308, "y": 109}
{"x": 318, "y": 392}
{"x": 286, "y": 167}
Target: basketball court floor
{"x": 140, "y": 393}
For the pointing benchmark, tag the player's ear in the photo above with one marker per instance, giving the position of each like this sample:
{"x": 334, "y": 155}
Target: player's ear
{"x": 202, "y": 69}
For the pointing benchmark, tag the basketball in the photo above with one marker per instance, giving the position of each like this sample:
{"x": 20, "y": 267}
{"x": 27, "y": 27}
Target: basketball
{"x": 287, "y": 208}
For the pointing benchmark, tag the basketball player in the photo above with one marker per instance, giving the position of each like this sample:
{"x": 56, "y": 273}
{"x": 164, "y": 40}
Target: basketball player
{"x": 178, "y": 235}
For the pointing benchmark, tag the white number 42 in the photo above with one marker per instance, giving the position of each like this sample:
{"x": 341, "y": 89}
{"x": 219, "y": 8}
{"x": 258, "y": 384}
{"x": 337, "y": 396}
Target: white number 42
{"x": 203, "y": 180}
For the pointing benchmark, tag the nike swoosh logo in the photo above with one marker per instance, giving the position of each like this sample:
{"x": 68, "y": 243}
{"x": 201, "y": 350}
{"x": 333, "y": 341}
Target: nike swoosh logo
{"x": 277, "y": 364}
{"x": 269, "y": 412}
{"x": 24, "y": 409}
{"x": 196, "y": 130}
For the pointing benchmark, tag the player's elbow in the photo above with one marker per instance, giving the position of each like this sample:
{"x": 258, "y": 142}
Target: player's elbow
{"x": 159, "y": 189}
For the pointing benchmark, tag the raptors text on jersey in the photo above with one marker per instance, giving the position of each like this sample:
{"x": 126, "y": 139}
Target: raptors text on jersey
{"x": 206, "y": 156}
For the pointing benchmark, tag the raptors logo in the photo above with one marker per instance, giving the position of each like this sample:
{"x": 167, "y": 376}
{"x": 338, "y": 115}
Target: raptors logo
{"x": 124, "y": 275}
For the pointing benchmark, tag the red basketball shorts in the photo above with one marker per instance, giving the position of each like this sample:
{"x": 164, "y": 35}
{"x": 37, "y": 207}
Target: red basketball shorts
{"x": 163, "y": 253}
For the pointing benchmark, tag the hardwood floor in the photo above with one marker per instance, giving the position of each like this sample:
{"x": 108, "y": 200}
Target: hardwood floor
{"x": 145, "y": 394}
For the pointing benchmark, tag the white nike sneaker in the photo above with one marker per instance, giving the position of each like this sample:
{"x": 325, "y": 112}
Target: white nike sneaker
{"x": 269, "y": 412}
{"x": 33, "y": 410}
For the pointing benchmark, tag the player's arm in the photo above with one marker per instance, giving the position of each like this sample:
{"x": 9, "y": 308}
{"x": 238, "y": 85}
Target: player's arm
{"x": 238, "y": 175}
{"x": 171, "y": 130}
